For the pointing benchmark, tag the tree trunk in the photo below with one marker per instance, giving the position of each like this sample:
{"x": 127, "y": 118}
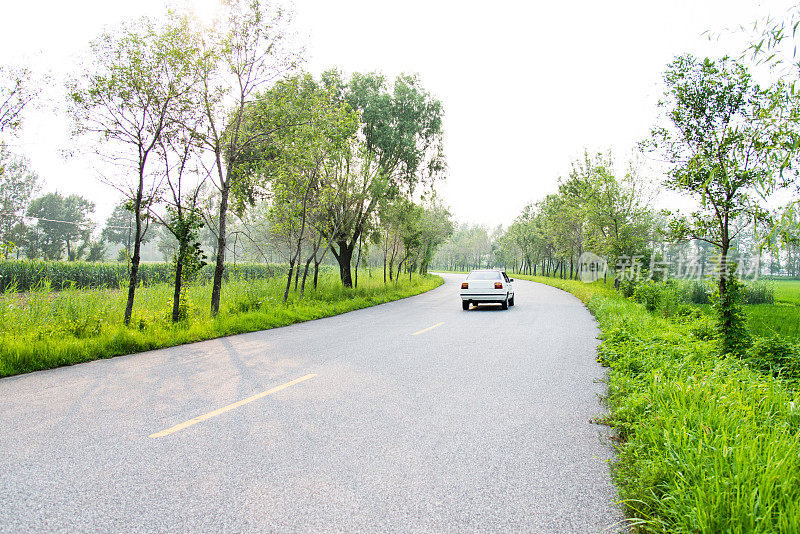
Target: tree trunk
{"x": 219, "y": 268}
{"x": 316, "y": 274}
{"x": 358, "y": 261}
{"x": 297, "y": 273}
{"x": 305, "y": 275}
{"x": 288, "y": 280}
{"x": 176, "y": 296}
{"x": 344, "y": 257}
{"x": 137, "y": 246}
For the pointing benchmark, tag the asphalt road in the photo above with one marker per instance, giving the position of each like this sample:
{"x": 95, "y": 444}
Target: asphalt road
{"x": 481, "y": 423}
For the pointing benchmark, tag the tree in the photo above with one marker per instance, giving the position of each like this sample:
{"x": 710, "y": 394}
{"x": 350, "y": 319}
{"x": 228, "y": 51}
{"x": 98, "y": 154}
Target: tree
{"x": 184, "y": 218}
{"x": 436, "y": 225}
{"x": 244, "y": 52}
{"x": 727, "y": 148}
{"x": 308, "y": 131}
{"x": 609, "y": 215}
{"x": 120, "y": 226}
{"x": 97, "y": 251}
{"x": 17, "y": 183}
{"x": 64, "y": 224}
{"x": 138, "y": 80}
{"x": 399, "y": 147}
{"x": 17, "y": 92}
{"x": 401, "y": 234}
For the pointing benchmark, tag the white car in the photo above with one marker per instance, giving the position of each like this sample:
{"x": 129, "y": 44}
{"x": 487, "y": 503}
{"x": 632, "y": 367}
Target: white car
{"x": 487, "y": 285}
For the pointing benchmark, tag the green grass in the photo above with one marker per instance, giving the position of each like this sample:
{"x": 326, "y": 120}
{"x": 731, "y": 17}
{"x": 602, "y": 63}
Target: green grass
{"x": 767, "y": 320}
{"x": 787, "y": 292}
{"x": 45, "y": 329}
{"x": 705, "y": 444}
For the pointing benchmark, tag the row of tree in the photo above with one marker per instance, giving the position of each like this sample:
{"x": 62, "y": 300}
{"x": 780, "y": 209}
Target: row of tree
{"x": 215, "y": 130}
{"x": 594, "y": 209}
{"x": 729, "y": 144}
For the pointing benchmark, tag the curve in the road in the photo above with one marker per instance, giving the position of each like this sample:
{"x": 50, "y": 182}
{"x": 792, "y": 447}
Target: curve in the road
{"x": 421, "y": 416}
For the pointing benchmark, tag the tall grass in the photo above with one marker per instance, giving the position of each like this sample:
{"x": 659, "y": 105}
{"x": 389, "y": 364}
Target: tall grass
{"x": 706, "y": 444}
{"x": 59, "y": 275}
{"x": 42, "y": 329}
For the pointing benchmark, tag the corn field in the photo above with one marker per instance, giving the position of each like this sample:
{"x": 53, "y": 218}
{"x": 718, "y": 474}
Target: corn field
{"x": 57, "y": 275}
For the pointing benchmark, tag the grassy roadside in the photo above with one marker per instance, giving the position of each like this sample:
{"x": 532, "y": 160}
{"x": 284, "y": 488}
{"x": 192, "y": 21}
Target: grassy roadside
{"x": 706, "y": 444}
{"x": 42, "y": 330}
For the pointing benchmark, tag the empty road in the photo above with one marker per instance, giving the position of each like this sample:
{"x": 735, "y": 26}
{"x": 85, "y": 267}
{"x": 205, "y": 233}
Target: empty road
{"x": 409, "y": 416}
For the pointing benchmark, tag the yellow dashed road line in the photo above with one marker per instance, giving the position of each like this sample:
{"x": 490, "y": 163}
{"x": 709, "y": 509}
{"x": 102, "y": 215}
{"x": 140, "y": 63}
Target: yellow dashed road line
{"x": 426, "y": 329}
{"x": 219, "y": 411}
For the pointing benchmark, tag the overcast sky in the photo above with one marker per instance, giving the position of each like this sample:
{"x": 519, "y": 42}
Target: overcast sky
{"x": 525, "y": 86}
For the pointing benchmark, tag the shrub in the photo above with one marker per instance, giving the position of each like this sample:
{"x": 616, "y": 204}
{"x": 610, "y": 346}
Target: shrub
{"x": 775, "y": 356}
{"x": 694, "y": 291}
{"x": 648, "y": 293}
{"x": 704, "y": 328}
{"x": 627, "y": 287}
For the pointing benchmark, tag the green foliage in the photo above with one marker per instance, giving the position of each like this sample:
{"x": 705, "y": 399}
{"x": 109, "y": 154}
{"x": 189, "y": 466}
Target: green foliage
{"x": 17, "y": 184}
{"x": 649, "y": 294}
{"x": 706, "y": 444}
{"x": 694, "y": 291}
{"x": 29, "y": 275}
{"x": 42, "y": 329}
{"x": 731, "y": 319}
{"x": 64, "y": 224}
{"x": 97, "y": 251}
{"x": 721, "y": 141}
{"x": 775, "y": 356}
{"x": 627, "y": 286}
{"x": 120, "y": 226}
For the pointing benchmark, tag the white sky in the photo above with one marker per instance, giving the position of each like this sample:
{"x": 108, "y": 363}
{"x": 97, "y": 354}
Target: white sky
{"x": 525, "y": 85}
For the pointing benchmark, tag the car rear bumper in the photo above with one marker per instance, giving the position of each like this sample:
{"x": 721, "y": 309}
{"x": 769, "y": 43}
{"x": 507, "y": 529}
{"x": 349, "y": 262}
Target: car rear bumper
{"x": 484, "y": 297}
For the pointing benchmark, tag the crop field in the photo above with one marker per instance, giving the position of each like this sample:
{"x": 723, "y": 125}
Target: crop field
{"x": 43, "y": 328}
{"x": 781, "y": 318}
{"x": 58, "y": 275}
{"x": 787, "y": 292}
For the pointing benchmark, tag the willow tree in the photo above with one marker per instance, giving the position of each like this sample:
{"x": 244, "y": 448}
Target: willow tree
{"x": 306, "y": 132}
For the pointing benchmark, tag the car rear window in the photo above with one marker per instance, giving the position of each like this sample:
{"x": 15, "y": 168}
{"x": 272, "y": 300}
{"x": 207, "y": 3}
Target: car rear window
{"x": 484, "y": 275}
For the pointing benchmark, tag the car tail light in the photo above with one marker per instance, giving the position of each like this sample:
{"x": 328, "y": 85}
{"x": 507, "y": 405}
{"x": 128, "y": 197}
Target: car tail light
{"x": 498, "y": 285}
{"x": 464, "y": 285}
